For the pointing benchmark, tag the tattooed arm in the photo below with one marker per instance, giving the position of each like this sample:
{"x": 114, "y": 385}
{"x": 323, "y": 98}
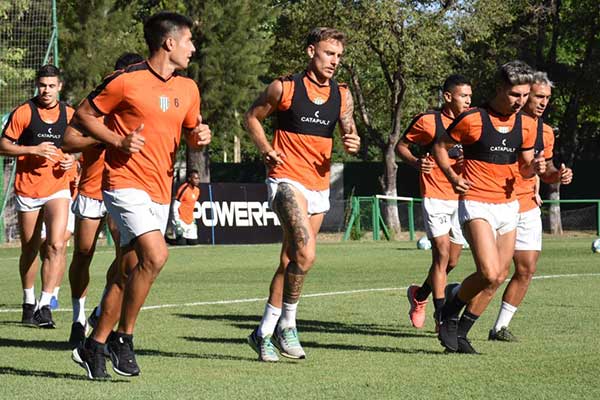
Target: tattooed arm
{"x": 350, "y": 137}
{"x": 262, "y": 107}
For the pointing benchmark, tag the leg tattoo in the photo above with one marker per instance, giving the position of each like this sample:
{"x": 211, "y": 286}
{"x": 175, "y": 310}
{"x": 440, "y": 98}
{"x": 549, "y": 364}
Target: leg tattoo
{"x": 289, "y": 212}
{"x": 292, "y": 286}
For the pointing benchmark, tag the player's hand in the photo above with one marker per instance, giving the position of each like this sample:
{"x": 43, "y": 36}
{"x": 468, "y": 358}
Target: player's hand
{"x": 133, "y": 142}
{"x": 425, "y": 164}
{"x": 566, "y": 174}
{"x": 201, "y": 135}
{"x": 273, "y": 158}
{"x": 538, "y": 200}
{"x": 66, "y": 162}
{"x": 351, "y": 142}
{"x": 460, "y": 185}
{"x": 539, "y": 165}
{"x": 47, "y": 150}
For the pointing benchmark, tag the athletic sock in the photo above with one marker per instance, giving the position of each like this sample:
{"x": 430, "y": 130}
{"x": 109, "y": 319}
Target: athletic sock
{"x": 79, "y": 310}
{"x": 45, "y": 299}
{"x": 438, "y": 304}
{"x": 466, "y": 323}
{"x": 269, "y": 320}
{"x": 29, "y": 296}
{"x": 452, "y": 308}
{"x": 288, "y": 316}
{"x": 504, "y": 316}
{"x": 423, "y": 292}
{"x": 55, "y": 292}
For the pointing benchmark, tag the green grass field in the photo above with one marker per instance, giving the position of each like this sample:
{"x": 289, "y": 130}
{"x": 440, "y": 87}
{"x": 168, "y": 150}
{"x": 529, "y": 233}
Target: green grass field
{"x": 354, "y": 327}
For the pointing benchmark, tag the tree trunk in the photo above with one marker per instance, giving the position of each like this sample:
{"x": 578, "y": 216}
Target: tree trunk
{"x": 199, "y": 160}
{"x": 555, "y": 220}
{"x": 389, "y": 209}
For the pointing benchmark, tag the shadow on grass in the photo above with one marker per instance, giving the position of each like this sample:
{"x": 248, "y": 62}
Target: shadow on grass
{"x": 49, "y": 374}
{"x": 160, "y": 353}
{"x": 36, "y": 344}
{"x": 249, "y": 322}
{"x": 327, "y": 346}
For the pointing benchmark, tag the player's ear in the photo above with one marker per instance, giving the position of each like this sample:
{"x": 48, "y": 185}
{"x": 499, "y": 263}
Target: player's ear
{"x": 310, "y": 50}
{"x": 169, "y": 43}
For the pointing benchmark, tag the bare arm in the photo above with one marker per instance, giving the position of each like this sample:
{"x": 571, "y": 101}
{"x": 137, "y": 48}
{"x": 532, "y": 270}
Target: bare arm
{"x": 45, "y": 149}
{"x": 424, "y": 164}
{"x": 440, "y": 153}
{"x": 563, "y": 175}
{"x": 74, "y": 141}
{"x": 529, "y": 165}
{"x": 86, "y": 118}
{"x": 350, "y": 137}
{"x": 262, "y": 107}
{"x": 199, "y": 136}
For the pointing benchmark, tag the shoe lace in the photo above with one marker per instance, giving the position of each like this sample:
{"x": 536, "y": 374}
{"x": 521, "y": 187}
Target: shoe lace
{"x": 291, "y": 337}
{"x": 267, "y": 346}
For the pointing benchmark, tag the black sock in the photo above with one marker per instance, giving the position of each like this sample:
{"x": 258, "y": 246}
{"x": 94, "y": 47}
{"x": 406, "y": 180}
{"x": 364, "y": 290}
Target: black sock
{"x": 438, "y": 304}
{"x": 466, "y": 323}
{"x": 452, "y": 308}
{"x": 423, "y": 293}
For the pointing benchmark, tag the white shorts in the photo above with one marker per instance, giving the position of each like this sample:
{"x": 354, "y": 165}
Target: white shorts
{"x": 26, "y": 204}
{"x": 86, "y": 207}
{"x": 189, "y": 231}
{"x": 70, "y": 223}
{"x": 135, "y": 213}
{"x": 317, "y": 200}
{"x": 529, "y": 230}
{"x": 502, "y": 217}
{"x": 441, "y": 218}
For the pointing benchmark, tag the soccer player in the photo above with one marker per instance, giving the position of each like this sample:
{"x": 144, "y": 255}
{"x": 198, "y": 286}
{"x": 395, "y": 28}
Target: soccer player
{"x": 33, "y": 134}
{"x": 498, "y": 145}
{"x": 307, "y": 107}
{"x": 146, "y": 106}
{"x": 90, "y": 212}
{"x": 529, "y": 229}
{"x": 440, "y": 202}
{"x": 183, "y": 209}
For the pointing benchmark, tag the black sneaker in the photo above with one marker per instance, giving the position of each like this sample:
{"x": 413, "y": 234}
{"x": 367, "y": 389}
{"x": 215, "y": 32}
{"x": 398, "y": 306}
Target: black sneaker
{"x": 120, "y": 348}
{"x": 28, "y": 312}
{"x": 465, "y": 347}
{"x": 448, "y": 334}
{"x": 93, "y": 318}
{"x": 43, "y": 318}
{"x": 91, "y": 356}
{"x": 78, "y": 332}
{"x": 503, "y": 335}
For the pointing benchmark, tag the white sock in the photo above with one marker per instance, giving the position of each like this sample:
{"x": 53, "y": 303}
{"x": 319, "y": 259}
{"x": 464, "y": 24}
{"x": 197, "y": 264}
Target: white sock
{"x": 288, "y": 316}
{"x": 55, "y": 292}
{"x": 45, "y": 299}
{"x": 79, "y": 310}
{"x": 29, "y": 296}
{"x": 504, "y": 316}
{"x": 269, "y": 320}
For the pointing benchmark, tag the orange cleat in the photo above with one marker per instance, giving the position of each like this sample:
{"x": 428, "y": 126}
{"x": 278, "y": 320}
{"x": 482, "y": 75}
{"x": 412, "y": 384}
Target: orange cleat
{"x": 417, "y": 308}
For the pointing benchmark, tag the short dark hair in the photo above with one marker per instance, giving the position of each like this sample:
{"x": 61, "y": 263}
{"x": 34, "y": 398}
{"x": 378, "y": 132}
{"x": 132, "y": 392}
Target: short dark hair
{"x": 514, "y": 73}
{"x": 454, "y": 80}
{"x": 46, "y": 71}
{"x": 191, "y": 172}
{"x": 159, "y": 25}
{"x": 323, "y": 33}
{"x": 128, "y": 59}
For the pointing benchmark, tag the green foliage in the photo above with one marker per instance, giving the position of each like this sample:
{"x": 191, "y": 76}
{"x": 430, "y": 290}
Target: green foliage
{"x": 232, "y": 41}
{"x": 92, "y": 36}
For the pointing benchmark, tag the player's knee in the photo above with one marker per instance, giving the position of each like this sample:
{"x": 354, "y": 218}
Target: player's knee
{"x": 156, "y": 261}
{"x": 305, "y": 258}
{"x": 55, "y": 249}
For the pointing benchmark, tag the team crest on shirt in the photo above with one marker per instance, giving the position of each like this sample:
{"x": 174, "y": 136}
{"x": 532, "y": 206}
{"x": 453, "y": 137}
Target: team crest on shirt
{"x": 319, "y": 100}
{"x": 164, "y": 103}
{"x": 504, "y": 129}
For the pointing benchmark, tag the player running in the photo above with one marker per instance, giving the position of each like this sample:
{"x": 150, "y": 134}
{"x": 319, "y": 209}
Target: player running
{"x": 147, "y": 106}
{"x": 184, "y": 223}
{"x": 440, "y": 202}
{"x": 33, "y": 134}
{"x": 498, "y": 145}
{"x": 529, "y": 228}
{"x": 307, "y": 107}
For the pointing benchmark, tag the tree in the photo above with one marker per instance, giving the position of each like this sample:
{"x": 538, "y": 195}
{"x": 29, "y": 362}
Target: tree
{"x": 232, "y": 41}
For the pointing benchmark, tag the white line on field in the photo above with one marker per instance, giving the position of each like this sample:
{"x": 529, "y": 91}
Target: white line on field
{"x": 257, "y": 299}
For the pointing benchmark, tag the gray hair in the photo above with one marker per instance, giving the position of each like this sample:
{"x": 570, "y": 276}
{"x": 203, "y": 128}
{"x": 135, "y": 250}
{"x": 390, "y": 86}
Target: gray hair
{"x": 514, "y": 73}
{"x": 541, "y": 78}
